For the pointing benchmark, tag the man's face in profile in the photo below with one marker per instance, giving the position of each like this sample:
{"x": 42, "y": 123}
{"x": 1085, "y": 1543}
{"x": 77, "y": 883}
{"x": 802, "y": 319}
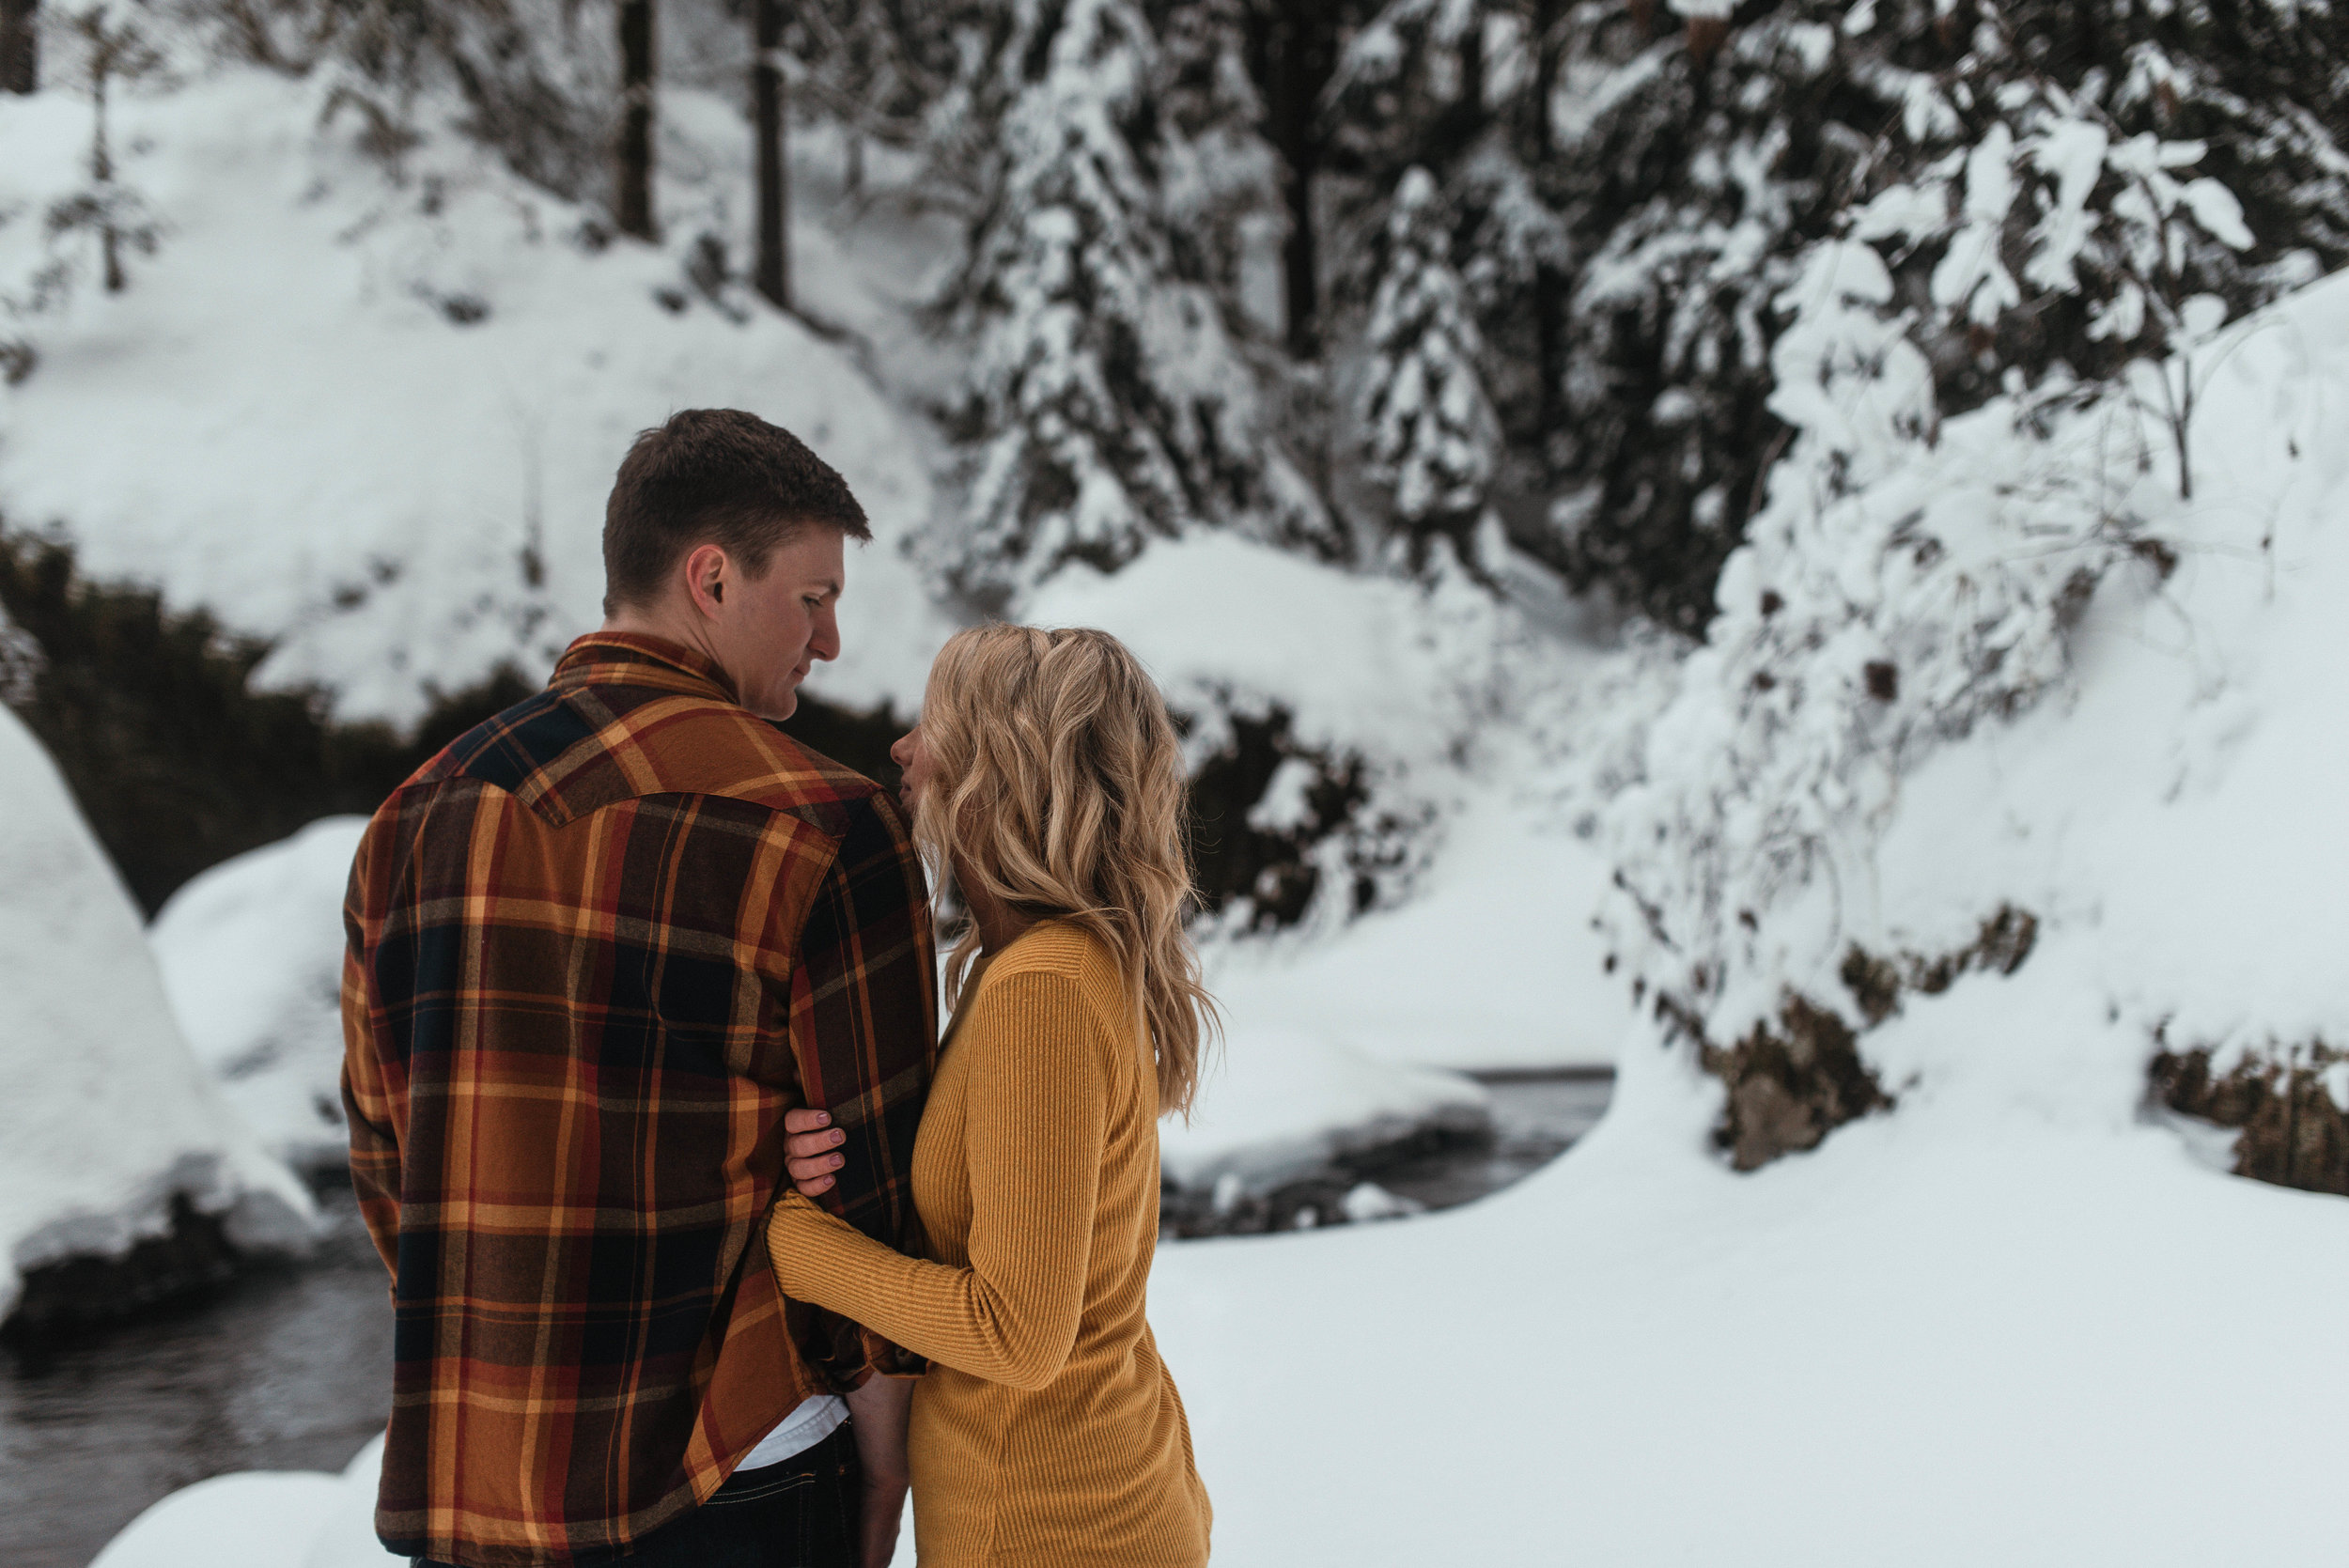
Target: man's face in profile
{"x": 768, "y": 630}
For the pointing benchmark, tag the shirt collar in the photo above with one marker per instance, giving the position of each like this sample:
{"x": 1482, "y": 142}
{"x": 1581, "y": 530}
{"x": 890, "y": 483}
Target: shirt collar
{"x": 634, "y": 659}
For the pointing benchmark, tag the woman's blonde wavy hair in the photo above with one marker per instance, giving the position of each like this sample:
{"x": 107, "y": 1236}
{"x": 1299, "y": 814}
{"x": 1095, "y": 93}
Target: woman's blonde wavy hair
{"x": 1057, "y": 785}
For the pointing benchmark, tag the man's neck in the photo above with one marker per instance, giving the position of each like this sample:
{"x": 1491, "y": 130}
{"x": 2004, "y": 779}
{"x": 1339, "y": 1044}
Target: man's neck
{"x": 630, "y": 620}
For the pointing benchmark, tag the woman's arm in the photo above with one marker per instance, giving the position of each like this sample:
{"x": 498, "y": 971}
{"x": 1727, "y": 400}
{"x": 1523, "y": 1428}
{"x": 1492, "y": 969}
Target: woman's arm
{"x": 1036, "y": 1115}
{"x": 877, "y": 1413}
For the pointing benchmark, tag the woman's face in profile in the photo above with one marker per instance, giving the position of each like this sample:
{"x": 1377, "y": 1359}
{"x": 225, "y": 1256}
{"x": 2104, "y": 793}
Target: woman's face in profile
{"x": 914, "y": 762}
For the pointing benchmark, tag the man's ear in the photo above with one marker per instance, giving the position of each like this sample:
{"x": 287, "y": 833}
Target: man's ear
{"x": 707, "y": 572}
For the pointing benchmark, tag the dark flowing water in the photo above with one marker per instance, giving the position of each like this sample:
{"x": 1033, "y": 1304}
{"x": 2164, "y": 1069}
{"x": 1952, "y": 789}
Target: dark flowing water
{"x": 287, "y": 1368}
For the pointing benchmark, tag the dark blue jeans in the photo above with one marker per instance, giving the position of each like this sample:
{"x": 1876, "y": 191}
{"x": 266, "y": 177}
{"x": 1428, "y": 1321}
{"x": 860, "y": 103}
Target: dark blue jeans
{"x": 801, "y": 1514}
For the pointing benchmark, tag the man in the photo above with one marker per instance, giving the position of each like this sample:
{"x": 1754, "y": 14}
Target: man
{"x": 599, "y": 948}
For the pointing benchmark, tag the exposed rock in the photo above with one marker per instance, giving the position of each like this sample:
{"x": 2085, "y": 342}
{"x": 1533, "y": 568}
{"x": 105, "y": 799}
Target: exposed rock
{"x": 1791, "y": 1082}
{"x": 1791, "y": 1085}
{"x": 2295, "y": 1132}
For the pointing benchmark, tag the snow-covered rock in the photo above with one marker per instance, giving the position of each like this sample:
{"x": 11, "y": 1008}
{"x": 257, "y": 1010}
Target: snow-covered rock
{"x": 250, "y": 953}
{"x": 108, "y": 1116}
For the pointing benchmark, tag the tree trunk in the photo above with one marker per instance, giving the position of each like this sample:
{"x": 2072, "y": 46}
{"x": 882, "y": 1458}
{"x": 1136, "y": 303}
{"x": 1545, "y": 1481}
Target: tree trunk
{"x": 774, "y": 174}
{"x": 1304, "y": 54}
{"x": 633, "y": 208}
{"x": 1549, "y": 286}
{"x": 20, "y": 46}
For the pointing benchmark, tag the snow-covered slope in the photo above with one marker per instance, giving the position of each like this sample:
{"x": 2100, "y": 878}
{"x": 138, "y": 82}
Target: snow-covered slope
{"x": 107, "y": 1116}
{"x": 252, "y": 958}
{"x": 1457, "y": 704}
{"x": 377, "y": 420}
{"x": 1837, "y": 797}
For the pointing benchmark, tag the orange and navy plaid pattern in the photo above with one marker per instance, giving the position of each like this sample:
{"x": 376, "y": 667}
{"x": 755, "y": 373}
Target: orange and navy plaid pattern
{"x": 597, "y": 947}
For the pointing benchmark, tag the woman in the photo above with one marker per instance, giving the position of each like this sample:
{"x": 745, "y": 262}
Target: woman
{"x": 1046, "y": 774}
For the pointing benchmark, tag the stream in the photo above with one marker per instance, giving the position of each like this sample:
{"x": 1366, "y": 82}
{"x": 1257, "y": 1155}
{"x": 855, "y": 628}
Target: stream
{"x": 286, "y": 1367}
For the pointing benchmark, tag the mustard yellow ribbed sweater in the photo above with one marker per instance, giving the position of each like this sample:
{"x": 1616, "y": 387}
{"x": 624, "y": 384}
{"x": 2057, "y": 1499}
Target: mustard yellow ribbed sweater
{"x": 1047, "y": 1434}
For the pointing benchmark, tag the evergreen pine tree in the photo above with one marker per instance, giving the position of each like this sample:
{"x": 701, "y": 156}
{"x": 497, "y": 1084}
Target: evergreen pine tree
{"x": 1107, "y": 404}
{"x": 1429, "y": 432}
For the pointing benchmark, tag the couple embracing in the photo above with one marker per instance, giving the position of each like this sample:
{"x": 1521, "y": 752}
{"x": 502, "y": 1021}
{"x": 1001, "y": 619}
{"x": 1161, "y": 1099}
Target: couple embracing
{"x": 702, "y": 1246}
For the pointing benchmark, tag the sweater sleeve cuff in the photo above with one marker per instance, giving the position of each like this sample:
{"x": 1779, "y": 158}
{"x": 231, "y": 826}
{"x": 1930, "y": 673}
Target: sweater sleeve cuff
{"x": 795, "y": 1220}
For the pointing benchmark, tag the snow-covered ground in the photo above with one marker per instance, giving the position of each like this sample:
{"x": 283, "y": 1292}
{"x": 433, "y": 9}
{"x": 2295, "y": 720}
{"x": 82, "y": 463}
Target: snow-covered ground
{"x": 107, "y": 1117}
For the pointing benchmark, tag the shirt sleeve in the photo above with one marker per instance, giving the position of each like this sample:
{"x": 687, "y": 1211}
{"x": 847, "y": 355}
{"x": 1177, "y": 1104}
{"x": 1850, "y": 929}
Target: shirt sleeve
{"x": 1037, "y": 1113}
{"x": 370, "y": 1098}
{"x": 864, "y": 1014}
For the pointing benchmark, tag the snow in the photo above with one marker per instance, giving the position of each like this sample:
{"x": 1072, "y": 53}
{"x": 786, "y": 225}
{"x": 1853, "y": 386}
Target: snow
{"x": 108, "y": 1116}
{"x": 259, "y": 1519}
{"x": 1492, "y": 962}
{"x": 250, "y": 953}
{"x": 361, "y": 477}
{"x": 1277, "y": 1102}
{"x": 1946, "y": 1339}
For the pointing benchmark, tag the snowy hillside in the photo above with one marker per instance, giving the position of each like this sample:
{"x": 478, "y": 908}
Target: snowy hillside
{"x": 107, "y": 1119}
{"x": 377, "y": 420}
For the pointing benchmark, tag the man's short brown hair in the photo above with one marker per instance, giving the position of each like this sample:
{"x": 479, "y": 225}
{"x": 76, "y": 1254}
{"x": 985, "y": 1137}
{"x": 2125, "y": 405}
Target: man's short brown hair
{"x": 715, "y": 476}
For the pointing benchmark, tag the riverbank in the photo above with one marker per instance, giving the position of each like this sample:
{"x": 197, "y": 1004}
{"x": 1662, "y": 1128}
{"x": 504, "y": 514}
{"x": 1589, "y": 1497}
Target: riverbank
{"x": 283, "y": 1366}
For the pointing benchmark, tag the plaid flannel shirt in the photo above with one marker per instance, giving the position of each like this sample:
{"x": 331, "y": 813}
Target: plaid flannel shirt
{"x": 597, "y": 947}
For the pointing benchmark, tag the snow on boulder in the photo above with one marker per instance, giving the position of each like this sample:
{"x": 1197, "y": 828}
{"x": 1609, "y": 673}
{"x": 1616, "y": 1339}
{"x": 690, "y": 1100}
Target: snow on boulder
{"x": 109, "y": 1119}
{"x": 1278, "y": 1102}
{"x": 252, "y": 958}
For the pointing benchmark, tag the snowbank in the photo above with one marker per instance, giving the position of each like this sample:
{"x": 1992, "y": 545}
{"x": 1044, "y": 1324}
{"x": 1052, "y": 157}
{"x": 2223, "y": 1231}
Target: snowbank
{"x": 260, "y": 1519}
{"x": 250, "y": 953}
{"x": 1458, "y": 705}
{"x": 1948, "y": 1337}
{"x": 108, "y": 1117}
{"x": 1492, "y": 962}
{"x": 1279, "y": 1101}
{"x": 413, "y": 396}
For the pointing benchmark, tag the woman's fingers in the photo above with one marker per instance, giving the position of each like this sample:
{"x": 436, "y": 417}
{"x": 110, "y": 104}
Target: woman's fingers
{"x": 809, "y": 1139}
{"x": 813, "y": 1146}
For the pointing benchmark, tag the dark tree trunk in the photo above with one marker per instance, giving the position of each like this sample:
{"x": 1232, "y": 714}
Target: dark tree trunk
{"x": 774, "y": 174}
{"x": 1549, "y": 284}
{"x": 1302, "y": 54}
{"x": 20, "y": 46}
{"x": 633, "y": 209}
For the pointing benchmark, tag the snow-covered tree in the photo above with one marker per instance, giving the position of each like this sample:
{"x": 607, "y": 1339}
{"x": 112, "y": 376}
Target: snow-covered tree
{"x": 1107, "y": 404}
{"x": 1700, "y": 151}
{"x": 1429, "y": 433}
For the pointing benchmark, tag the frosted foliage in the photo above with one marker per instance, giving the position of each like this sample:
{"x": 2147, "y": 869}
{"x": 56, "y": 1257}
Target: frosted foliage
{"x": 1428, "y": 429}
{"x": 1111, "y": 406}
{"x": 2119, "y": 221}
{"x": 1890, "y": 595}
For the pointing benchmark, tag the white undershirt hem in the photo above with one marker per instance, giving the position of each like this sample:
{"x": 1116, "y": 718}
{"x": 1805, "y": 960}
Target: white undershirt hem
{"x": 807, "y": 1425}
